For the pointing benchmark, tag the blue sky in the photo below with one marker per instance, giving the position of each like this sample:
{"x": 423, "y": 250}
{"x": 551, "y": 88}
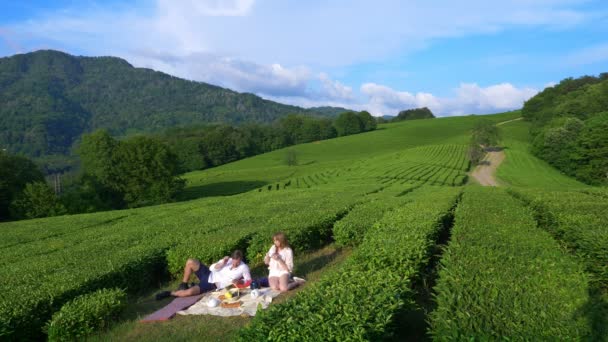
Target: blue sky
{"x": 455, "y": 57}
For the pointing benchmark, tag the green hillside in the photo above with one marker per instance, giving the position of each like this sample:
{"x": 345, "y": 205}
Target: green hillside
{"x": 568, "y": 125}
{"x": 521, "y": 168}
{"x": 427, "y": 253}
{"x": 49, "y": 98}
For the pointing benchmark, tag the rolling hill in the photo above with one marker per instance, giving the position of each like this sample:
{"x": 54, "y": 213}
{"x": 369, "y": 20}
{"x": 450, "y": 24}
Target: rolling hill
{"x": 429, "y": 254}
{"x": 49, "y": 98}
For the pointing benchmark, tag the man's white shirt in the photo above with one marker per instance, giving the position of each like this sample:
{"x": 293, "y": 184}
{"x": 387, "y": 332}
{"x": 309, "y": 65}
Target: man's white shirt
{"x": 224, "y": 276}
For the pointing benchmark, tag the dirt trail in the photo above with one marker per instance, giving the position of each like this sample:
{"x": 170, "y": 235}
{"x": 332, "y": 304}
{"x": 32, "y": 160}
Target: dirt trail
{"x": 504, "y": 122}
{"x": 484, "y": 173}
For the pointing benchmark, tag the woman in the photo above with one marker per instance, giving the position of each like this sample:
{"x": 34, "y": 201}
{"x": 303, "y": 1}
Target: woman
{"x": 280, "y": 264}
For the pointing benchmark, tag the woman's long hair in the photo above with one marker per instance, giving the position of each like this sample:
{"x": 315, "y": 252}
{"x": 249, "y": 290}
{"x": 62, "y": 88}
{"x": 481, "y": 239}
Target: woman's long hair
{"x": 283, "y": 243}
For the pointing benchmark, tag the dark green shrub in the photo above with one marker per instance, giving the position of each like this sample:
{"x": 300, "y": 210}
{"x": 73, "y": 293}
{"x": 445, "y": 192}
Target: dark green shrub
{"x": 86, "y": 314}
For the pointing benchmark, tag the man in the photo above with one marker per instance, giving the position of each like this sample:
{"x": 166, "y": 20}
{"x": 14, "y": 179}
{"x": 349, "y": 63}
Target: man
{"x": 229, "y": 270}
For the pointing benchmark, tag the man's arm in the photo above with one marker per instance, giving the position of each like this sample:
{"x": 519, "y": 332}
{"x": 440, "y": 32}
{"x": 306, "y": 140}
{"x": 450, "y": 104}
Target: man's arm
{"x": 220, "y": 264}
{"x": 246, "y": 281}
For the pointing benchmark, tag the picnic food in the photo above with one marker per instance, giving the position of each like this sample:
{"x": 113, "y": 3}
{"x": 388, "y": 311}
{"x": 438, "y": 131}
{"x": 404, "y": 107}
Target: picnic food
{"x": 236, "y": 304}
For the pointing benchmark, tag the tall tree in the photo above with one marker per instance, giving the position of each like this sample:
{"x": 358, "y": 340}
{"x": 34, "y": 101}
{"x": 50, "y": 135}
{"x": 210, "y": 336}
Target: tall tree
{"x": 146, "y": 172}
{"x": 368, "y": 121}
{"x": 348, "y": 123}
{"x": 37, "y": 200}
{"x": 591, "y": 153}
{"x": 96, "y": 151}
{"x": 15, "y": 173}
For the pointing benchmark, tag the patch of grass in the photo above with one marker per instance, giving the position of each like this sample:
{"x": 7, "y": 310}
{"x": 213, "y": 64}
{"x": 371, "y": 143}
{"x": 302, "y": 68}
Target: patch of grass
{"x": 521, "y": 168}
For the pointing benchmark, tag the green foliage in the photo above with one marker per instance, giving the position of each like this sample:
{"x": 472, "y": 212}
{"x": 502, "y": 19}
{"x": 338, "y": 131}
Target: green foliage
{"x": 77, "y": 254}
{"x": 15, "y": 173}
{"x": 145, "y": 172}
{"x": 89, "y": 195}
{"x": 141, "y": 169}
{"x": 475, "y": 153}
{"x": 368, "y": 121}
{"x": 556, "y": 143}
{"x": 348, "y": 123}
{"x": 414, "y": 114}
{"x": 359, "y": 301}
{"x": 86, "y": 314}
{"x": 351, "y": 229}
{"x": 591, "y": 151}
{"x": 96, "y": 154}
{"x": 567, "y": 121}
{"x": 51, "y": 98}
{"x": 291, "y": 157}
{"x": 521, "y": 168}
{"x": 580, "y": 98}
{"x": 578, "y": 220}
{"x": 37, "y": 200}
{"x": 503, "y": 278}
{"x": 485, "y": 133}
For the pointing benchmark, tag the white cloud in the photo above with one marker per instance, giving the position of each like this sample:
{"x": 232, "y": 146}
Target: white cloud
{"x": 294, "y": 32}
{"x": 469, "y": 99}
{"x": 229, "y": 72}
{"x": 278, "y": 48}
{"x": 496, "y": 97}
{"x": 334, "y": 89}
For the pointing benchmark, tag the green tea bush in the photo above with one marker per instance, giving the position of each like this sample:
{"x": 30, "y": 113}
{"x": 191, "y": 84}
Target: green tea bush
{"x": 577, "y": 219}
{"x": 503, "y": 278}
{"x": 86, "y": 314}
{"x": 351, "y": 229}
{"x": 131, "y": 249}
{"x": 358, "y": 302}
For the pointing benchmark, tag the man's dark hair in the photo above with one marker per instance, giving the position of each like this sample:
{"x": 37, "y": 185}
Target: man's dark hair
{"x": 237, "y": 254}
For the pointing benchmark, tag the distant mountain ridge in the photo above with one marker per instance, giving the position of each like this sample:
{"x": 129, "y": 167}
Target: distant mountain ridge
{"x": 50, "y": 98}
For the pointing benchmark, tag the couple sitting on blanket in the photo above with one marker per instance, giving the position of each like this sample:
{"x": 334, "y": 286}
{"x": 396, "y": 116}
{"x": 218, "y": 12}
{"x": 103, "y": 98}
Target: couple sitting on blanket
{"x": 233, "y": 271}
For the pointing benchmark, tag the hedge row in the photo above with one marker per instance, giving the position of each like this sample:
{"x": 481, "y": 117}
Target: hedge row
{"x": 129, "y": 249}
{"x": 580, "y": 221}
{"x": 351, "y": 229}
{"x": 502, "y": 277}
{"x": 358, "y": 301}
{"x": 85, "y": 314}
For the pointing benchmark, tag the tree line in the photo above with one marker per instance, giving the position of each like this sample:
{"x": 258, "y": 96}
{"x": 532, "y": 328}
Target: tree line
{"x": 49, "y": 99}
{"x": 145, "y": 169}
{"x": 569, "y": 125}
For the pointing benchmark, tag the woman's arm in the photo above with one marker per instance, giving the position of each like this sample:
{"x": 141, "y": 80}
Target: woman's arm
{"x": 270, "y": 253}
{"x": 286, "y": 264}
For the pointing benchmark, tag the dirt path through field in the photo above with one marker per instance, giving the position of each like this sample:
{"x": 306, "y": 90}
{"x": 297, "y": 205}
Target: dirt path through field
{"x": 504, "y": 122}
{"x": 484, "y": 173}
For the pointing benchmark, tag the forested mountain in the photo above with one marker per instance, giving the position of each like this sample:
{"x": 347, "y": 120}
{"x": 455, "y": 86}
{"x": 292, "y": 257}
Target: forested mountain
{"x": 49, "y": 98}
{"x": 570, "y": 125}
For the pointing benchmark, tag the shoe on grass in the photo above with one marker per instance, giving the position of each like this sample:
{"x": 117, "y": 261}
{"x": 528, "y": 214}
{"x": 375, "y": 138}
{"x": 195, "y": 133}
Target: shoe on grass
{"x": 183, "y": 286}
{"x": 162, "y": 295}
{"x": 299, "y": 280}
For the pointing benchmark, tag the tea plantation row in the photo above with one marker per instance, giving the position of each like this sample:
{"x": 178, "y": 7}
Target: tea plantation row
{"x": 502, "y": 277}
{"x": 359, "y": 301}
{"x": 132, "y": 249}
